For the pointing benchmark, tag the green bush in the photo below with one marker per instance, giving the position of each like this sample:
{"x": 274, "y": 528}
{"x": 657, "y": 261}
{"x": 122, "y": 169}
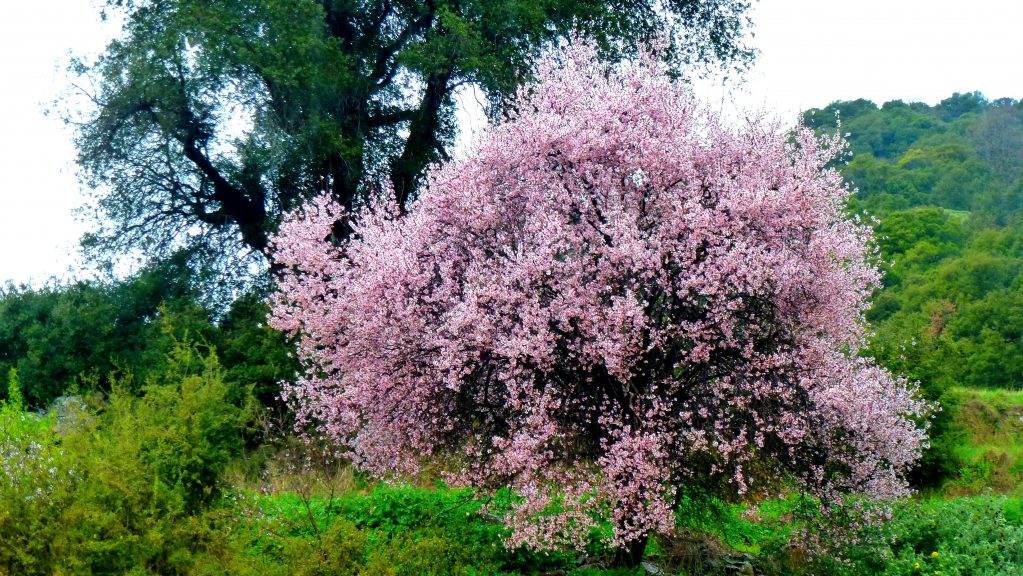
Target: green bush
{"x": 60, "y": 336}
{"x": 34, "y": 481}
{"x": 122, "y": 487}
{"x": 426, "y": 554}
{"x": 960, "y": 537}
{"x": 977, "y": 443}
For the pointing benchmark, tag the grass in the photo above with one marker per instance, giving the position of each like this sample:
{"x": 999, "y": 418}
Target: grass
{"x": 983, "y": 440}
{"x": 437, "y": 530}
{"x": 404, "y": 524}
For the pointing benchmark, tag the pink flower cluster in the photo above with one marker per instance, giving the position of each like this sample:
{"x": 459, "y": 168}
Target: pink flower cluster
{"x": 615, "y": 294}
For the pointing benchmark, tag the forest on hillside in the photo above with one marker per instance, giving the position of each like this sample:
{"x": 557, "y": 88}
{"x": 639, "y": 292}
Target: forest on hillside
{"x": 944, "y": 185}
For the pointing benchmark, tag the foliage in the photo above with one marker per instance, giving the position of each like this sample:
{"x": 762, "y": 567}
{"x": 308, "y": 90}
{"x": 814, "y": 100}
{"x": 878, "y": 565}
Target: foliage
{"x": 253, "y": 353}
{"x": 613, "y": 296}
{"x": 980, "y": 443}
{"x": 211, "y": 119}
{"x": 400, "y": 529}
{"x": 944, "y": 183}
{"x": 966, "y": 536}
{"x": 971, "y": 535}
{"x": 74, "y": 337}
{"x": 741, "y": 526}
{"x": 122, "y": 489}
{"x": 962, "y": 154}
{"x": 952, "y": 311}
{"x": 59, "y": 335}
{"x": 30, "y": 479}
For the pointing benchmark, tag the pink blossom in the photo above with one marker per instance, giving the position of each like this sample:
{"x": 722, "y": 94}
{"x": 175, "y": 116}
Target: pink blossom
{"x": 613, "y": 295}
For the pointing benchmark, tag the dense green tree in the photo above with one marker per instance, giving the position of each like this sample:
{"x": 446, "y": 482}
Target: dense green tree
{"x": 253, "y": 353}
{"x": 57, "y": 334}
{"x": 956, "y": 321}
{"x": 60, "y": 336}
{"x": 996, "y": 137}
{"x": 959, "y": 104}
{"x": 944, "y": 186}
{"x": 900, "y": 232}
{"x": 909, "y": 240}
{"x": 212, "y": 118}
{"x": 886, "y": 132}
{"x": 961, "y": 154}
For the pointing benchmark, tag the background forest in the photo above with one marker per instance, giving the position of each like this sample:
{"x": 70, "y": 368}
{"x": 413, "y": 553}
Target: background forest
{"x": 142, "y": 429}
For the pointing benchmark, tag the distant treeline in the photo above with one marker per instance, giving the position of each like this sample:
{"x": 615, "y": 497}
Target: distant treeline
{"x": 945, "y": 185}
{"x": 77, "y": 337}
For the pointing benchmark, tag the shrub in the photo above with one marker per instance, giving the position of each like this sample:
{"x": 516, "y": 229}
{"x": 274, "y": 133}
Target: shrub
{"x": 34, "y": 481}
{"x": 962, "y": 537}
{"x": 125, "y": 487}
{"x": 424, "y": 554}
{"x": 978, "y": 443}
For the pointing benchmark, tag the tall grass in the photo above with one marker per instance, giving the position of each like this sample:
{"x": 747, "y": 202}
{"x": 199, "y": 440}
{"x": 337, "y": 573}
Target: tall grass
{"x": 982, "y": 441}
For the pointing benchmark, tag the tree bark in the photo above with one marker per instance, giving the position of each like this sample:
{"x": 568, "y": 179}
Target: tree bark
{"x": 630, "y": 555}
{"x": 422, "y": 142}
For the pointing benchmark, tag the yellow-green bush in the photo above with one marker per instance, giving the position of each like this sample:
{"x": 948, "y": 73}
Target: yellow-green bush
{"x": 121, "y": 487}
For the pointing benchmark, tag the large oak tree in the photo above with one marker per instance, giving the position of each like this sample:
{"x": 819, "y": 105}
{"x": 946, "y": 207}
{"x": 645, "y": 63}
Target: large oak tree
{"x": 211, "y": 119}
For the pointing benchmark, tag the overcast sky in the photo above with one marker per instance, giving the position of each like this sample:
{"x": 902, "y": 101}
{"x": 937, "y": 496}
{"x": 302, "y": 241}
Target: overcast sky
{"x": 812, "y": 52}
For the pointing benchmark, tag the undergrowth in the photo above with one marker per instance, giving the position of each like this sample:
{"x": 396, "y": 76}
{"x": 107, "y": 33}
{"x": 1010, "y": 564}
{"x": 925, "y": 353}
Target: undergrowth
{"x": 161, "y": 484}
{"x": 978, "y": 443}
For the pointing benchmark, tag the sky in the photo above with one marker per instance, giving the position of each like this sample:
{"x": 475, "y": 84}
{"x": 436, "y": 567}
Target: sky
{"x": 38, "y": 188}
{"x": 812, "y": 52}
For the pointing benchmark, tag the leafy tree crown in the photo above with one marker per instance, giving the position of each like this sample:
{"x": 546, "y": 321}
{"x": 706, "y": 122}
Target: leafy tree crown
{"x": 210, "y": 119}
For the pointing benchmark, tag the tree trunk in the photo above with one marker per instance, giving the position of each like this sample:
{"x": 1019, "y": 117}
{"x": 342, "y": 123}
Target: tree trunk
{"x": 630, "y": 555}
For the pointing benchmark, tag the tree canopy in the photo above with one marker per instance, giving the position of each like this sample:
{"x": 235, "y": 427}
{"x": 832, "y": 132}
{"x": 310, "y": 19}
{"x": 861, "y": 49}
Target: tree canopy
{"x": 211, "y": 119}
{"x": 945, "y": 183}
{"x": 614, "y": 297}
{"x": 82, "y": 336}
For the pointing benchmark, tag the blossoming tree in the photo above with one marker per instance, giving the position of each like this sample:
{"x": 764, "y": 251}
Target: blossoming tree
{"x": 612, "y": 296}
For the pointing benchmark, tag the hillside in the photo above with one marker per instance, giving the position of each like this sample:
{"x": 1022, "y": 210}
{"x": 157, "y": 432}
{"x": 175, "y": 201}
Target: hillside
{"x": 945, "y": 185}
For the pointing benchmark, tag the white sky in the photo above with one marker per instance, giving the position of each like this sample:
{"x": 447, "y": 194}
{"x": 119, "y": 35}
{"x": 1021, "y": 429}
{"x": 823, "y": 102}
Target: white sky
{"x": 812, "y": 53}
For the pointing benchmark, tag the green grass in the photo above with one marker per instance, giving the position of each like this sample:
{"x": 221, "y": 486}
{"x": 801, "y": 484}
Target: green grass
{"x": 401, "y": 523}
{"x": 982, "y": 439}
{"x": 418, "y": 530}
